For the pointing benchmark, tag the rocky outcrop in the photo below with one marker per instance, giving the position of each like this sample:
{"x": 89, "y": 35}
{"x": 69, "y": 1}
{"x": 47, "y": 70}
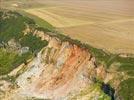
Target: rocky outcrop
{"x": 58, "y": 70}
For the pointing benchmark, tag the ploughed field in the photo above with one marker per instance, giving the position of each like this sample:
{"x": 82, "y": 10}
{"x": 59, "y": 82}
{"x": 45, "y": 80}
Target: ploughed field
{"x": 105, "y": 24}
{"x": 102, "y": 23}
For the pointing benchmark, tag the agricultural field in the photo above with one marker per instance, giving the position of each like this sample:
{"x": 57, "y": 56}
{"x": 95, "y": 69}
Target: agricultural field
{"x": 103, "y": 24}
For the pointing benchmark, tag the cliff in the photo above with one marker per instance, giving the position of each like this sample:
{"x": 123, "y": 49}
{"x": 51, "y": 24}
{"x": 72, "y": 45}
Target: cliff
{"x": 58, "y": 71}
{"x": 39, "y": 64}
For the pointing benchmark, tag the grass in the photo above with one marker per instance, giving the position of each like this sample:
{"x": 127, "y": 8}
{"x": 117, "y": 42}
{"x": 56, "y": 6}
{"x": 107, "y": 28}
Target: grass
{"x": 127, "y": 89}
{"x": 33, "y": 42}
{"x": 6, "y": 60}
{"x": 12, "y": 25}
{"x": 40, "y": 22}
{"x": 130, "y": 73}
{"x": 11, "y": 60}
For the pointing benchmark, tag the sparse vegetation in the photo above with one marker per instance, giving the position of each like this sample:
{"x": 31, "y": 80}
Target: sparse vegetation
{"x": 9, "y": 79}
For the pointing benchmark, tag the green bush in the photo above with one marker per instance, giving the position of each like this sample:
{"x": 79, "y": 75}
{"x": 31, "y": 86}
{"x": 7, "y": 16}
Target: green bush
{"x": 33, "y": 42}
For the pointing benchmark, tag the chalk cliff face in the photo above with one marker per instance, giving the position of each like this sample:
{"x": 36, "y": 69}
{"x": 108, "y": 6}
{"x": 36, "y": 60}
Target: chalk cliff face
{"x": 57, "y": 71}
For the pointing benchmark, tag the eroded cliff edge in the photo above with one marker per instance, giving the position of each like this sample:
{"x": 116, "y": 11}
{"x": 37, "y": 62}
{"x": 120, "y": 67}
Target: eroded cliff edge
{"x": 65, "y": 69}
{"x": 59, "y": 71}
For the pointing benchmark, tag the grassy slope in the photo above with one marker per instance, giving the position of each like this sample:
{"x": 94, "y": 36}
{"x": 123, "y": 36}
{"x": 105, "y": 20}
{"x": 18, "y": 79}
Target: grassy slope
{"x": 12, "y": 28}
{"x": 10, "y": 60}
{"x": 127, "y": 89}
{"x": 39, "y": 21}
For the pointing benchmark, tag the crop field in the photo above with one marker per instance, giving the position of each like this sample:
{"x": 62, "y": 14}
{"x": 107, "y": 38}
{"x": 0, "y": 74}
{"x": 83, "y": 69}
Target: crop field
{"x": 57, "y": 20}
{"x": 105, "y": 24}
